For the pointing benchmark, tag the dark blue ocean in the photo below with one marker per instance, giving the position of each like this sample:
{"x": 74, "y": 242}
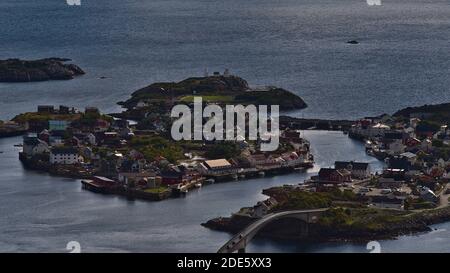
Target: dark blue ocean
{"x": 402, "y": 59}
{"x": 300, "y": 45}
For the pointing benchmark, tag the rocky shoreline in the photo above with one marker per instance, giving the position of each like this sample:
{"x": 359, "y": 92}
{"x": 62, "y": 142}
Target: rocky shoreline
{"x": 128, "y": 193}
{"x": 16, "y": 70}
{"x": 219, "y": 89}
{"x": 288, "y": 229}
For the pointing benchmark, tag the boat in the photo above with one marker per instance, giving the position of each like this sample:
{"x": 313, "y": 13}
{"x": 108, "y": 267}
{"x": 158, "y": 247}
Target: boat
{"x": 210, "y": 181}
{"x": 198, "y": 185}
{"x": 18, "y": 145}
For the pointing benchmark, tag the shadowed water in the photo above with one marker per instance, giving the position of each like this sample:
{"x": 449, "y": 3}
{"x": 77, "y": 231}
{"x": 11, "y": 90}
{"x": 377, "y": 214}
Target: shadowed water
{"x": 402, "y": 59}
{"x": 43, "y": 213}
{"x": 300, "y": 45}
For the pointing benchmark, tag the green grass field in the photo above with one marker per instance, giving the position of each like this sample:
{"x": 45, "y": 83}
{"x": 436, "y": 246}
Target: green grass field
{"x": 209, "y": 98}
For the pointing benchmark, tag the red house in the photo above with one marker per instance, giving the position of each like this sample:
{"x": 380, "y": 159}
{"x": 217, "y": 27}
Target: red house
{"x": 178, "y": 175}
{"x": 331, "y": 175}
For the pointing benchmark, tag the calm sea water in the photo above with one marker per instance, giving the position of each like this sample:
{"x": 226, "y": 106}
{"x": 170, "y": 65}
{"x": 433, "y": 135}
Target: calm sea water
{"x": 42, "y": 213}
{"x": 299, "y": 45}
{"x": 402, "y": 60}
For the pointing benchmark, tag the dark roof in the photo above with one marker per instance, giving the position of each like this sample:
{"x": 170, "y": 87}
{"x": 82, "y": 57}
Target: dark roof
{"x": 354, "y": 165}
{"x": 326, "y": 172}
{"x": 32, "y": 141}
{"x": 126, "y": 165}
{"x": 58, "y": 133}
{"x": 393, "y": 135}
{"x": 64, "y": 150}
{"x": 171, "y": 174}
{"x": 399, "y": 163}
{"x": 385, "y": 199}
{"x": 120, "y": 123}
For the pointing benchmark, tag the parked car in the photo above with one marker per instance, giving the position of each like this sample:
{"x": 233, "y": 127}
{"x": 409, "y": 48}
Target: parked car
{"x": 364, "y": 190}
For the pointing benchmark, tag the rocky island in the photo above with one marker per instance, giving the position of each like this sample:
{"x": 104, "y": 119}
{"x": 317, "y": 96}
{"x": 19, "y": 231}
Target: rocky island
{"x": 16, "y": 70}
{"x": 219, "y": 89}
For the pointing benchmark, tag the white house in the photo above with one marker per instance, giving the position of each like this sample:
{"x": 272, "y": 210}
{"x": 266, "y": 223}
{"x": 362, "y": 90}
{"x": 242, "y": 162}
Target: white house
{"x": 33, "y": 146}
{"x": 426, "y": 145}
{"x": 263, "y": 207}
{"x": 379, "y": 129}
{"x": 91, "y": 139}
{"x": 413, "y": 122}
{"x": 65, "y": 155}
{"x": 292, "y": 159}
{"x": 376, "y": 130}
{"x": 411, "y": 157}
{"x": 410, "y": 131}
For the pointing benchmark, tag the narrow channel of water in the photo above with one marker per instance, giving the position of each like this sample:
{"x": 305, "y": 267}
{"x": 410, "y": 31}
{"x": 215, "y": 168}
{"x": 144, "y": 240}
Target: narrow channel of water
{"x": 42, "y": 213}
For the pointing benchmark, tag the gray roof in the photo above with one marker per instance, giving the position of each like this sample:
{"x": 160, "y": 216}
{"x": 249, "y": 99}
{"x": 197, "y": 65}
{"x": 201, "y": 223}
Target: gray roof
{"x": 64, "y": 150}
{"x": 354, "y": 165}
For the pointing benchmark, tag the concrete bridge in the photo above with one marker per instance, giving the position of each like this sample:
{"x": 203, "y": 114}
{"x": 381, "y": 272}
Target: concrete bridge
{"x": 242, "y": 239}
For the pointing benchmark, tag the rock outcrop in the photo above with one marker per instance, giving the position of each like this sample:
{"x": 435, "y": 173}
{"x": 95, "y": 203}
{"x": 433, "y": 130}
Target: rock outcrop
{"x": 223, "y": 89}
{"x": 16, "y": 70}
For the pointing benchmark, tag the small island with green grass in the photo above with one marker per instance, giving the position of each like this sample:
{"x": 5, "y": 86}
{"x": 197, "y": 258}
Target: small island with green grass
{"x": 218, "y": 89}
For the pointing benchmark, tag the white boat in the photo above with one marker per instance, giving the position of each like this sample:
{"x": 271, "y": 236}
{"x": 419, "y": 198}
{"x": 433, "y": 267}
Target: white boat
{"x": 198, "y": 185}
{"x": 210, "y": 180}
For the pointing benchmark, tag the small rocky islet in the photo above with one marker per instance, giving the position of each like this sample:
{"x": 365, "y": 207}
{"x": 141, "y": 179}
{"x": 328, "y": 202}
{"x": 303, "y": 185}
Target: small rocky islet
{"x": 17, "y": 70}
{"x": 218, "y": 89}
